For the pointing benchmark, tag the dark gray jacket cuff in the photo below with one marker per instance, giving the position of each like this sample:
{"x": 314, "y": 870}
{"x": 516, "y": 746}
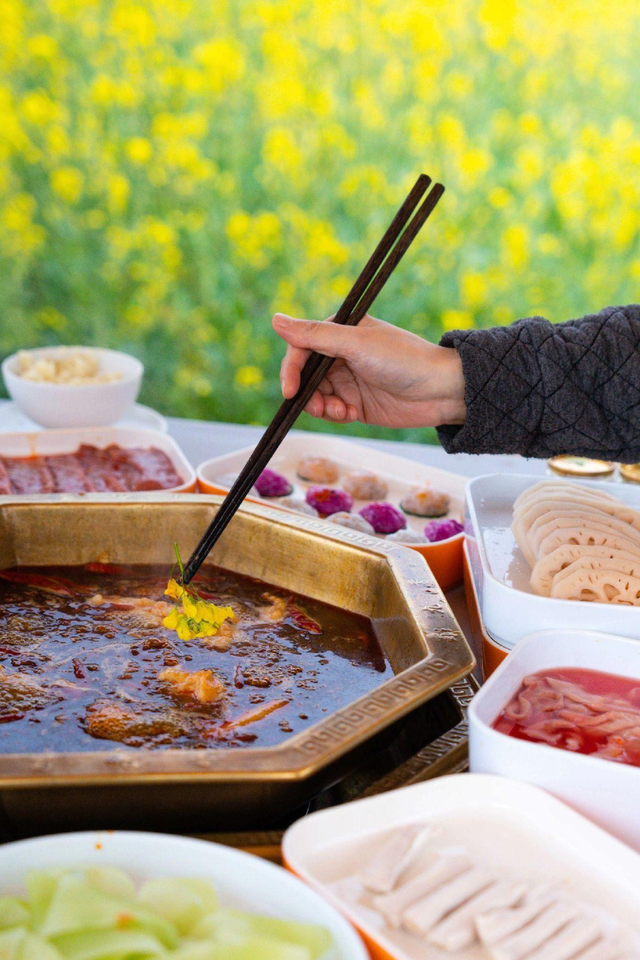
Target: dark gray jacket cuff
{"x": 542, "y": 389}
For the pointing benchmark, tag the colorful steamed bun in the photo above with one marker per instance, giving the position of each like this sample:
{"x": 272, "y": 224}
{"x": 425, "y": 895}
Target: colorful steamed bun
{"x": 354, "y": 521}
{"x": 299, "y": 504}
{"x": 442, "y": 529}
{"x": 365, "y": 485}
{"x": 383, "y": 517}
{"x": 426, "y": 502}
{"x": 272, "y": 484}
{"x": 318, "y": 470}
{"x": 405, "y": 536}
{"x": 328, "y": 500}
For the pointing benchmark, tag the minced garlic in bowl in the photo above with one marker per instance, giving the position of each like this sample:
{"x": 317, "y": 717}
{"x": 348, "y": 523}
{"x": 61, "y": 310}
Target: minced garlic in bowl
{"x": 73, "y": 368}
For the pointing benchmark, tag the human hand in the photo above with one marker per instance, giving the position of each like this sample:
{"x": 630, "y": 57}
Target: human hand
{"x": 382, "y": 375}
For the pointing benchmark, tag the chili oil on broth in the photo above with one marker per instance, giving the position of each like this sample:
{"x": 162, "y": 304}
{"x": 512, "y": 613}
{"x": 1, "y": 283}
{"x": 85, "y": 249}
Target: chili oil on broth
{"x": 82, "y": 650}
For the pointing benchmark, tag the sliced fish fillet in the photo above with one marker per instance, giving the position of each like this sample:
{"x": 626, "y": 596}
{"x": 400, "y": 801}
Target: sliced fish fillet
{"x": 393, "y": 857}
{"x": 522, "y": 943}
{"x": 424, "y": 914}
{"x": 494, "y": 926}
{"x": 445, "y": 868}
{"x": 458, "y": 929}
{"x": 573, "y": 938}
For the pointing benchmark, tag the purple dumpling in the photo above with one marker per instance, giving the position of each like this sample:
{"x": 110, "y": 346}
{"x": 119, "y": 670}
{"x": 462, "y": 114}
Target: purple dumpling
{"x": 383, "y": 517}
{"x": 272, "y": 484}
{"x": 328, "y": 500}
{"x": 442, "y": 529}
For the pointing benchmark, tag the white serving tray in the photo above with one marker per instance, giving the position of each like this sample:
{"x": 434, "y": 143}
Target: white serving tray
{"x": 402, "y": 475}
{"x": 243, "y": 881}
{"x": 510, "y": 609}
{"x": 602, "y": 790}
{"x": 511, "y": 826}
{"x": 45, "y": 443}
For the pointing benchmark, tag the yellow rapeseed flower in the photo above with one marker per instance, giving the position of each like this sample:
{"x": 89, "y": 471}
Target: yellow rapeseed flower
{"x": 67, "y": 183}
{"x": 138, "y": 150}
{"x": 248, "y": 377}
{"x": 456, "y": 320}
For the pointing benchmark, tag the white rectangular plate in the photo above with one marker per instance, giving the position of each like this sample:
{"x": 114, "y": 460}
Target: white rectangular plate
{"x": 510, "y": 826}
{"x": 510, "y": 608}
{"x": 47, "y": 443}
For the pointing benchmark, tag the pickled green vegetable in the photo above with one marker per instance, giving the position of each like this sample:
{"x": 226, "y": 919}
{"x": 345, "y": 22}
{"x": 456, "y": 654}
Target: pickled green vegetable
{"x": 96, "y": 914}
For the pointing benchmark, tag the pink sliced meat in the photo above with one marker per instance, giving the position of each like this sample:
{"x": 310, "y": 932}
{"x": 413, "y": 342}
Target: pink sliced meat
{"x": 153, "y": 468}
{"x": 5, "y": 483}
{"x": 68, "y": 475}
{"x": 99, "y": 468}
{"x": 30, "y": 475}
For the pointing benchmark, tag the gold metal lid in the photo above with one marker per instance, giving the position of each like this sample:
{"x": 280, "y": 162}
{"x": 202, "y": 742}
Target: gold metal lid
{"x": 581, "y": 467}
{"x": 630, "y": 471}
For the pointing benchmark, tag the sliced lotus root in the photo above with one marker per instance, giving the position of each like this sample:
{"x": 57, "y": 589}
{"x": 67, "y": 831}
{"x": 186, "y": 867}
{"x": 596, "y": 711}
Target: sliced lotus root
{"x": 547, "y": 488}
{"x": 628, "y": 568}
{"x": 562, "y": 557}
{"x": 598, "y": 586}
{"x": 546, "y": 524}
{"x": 524, "y": 527}
{"x": 586, "y": 535}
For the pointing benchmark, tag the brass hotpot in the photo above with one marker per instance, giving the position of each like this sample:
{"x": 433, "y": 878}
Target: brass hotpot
{"x": 224, "y": 788}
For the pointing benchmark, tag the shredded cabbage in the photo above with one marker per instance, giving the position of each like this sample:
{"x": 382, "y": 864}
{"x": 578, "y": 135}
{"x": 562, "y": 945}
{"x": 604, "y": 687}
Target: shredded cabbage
{"x": 95, "y": 913}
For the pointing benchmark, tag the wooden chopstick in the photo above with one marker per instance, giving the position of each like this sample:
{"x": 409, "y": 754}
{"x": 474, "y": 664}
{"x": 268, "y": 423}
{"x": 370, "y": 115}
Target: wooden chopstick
{"x": 385, "y": 258}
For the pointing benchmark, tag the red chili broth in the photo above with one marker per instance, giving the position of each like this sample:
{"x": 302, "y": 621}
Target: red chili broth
{"x": 302, "y": 668}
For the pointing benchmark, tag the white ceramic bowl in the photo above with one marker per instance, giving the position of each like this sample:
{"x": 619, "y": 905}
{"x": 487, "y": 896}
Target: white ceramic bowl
{"x": 602, "y": 790}
{"x": 63, "y": 405}
{"x": 241, "y": 880}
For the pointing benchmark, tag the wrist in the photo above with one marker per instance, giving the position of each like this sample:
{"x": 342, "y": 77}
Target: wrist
{"x": 450, "y": 386}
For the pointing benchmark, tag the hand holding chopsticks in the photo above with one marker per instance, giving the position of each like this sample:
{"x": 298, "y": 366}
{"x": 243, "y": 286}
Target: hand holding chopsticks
{"x": 385, "y": 258}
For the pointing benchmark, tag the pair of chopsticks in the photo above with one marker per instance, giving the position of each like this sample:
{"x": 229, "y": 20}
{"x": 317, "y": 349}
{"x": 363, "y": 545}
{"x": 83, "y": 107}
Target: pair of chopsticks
{"x": 385, "y": 258}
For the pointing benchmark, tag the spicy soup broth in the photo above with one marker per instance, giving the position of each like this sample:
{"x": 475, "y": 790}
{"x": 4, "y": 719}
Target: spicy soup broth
{"x": 86, "y": 664}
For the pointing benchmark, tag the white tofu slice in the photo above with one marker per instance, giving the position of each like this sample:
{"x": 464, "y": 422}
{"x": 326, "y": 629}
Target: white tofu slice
{"x": 424, "y": 914}
{"x": 394, "y": 856}
{"x": 522, "y": 943}
{"x": 458, "y": 930}
{"x": 445, "y": 868}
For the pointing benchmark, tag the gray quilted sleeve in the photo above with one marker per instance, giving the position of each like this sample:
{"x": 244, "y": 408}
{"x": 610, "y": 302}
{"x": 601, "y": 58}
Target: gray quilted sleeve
{"x": 543, "y": 389}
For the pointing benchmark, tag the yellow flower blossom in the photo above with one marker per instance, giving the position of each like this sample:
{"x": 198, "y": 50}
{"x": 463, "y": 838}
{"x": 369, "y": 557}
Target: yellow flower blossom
{"x": 248, "y": 377}
{"x": 138, "y": 150}
{"x": 456, "y": 320}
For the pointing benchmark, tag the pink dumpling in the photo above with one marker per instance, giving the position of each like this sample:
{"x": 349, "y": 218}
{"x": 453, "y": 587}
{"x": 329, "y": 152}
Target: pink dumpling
{"x": 383, "y": 517}
{"x": 272, "y": 484}
{"x": 442, "y": 529}
{"x": 328, "y": 500}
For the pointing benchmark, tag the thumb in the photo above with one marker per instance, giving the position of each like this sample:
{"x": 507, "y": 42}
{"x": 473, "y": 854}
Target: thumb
{"x": 333, "y": 340}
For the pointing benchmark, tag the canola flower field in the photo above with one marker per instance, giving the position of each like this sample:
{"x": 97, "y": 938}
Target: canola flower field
{"x": 172, "y": 172}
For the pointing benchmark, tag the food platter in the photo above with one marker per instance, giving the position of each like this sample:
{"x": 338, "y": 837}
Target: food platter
{"x": 515, "y": 829}
{"x": 55, "y": 443}
{"x": 417, "y": 631}
{"x": 602, "y": 790}
{"x": 401, "y": 475}
{"x": 510, "y": 609}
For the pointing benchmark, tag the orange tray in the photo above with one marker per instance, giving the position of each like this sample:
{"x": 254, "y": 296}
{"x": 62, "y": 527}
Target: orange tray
{"x": 444, "y": 558}
{"x": 493, "y": 653}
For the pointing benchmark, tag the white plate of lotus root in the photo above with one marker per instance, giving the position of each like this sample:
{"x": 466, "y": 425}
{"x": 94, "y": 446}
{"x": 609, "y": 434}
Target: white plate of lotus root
{"x": 556, "y": 553}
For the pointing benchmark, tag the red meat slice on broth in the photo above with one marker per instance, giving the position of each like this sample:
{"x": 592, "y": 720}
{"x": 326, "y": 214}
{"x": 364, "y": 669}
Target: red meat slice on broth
{"x": 30, "y": 475}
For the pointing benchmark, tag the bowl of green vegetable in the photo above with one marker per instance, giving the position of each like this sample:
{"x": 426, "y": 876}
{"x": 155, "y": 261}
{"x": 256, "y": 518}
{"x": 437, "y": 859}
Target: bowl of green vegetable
{"x": 120, "y": 895}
